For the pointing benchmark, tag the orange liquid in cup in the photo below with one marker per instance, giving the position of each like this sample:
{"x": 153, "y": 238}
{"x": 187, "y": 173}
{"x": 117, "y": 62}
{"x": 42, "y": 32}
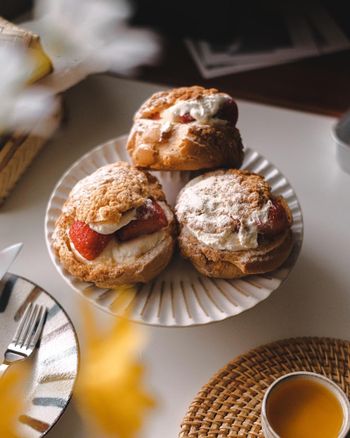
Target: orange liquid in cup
{"x": 303, "y": 408}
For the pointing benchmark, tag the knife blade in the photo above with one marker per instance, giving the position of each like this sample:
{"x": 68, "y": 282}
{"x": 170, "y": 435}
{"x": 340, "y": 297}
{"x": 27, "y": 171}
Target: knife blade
{"x": 7, "y": 257}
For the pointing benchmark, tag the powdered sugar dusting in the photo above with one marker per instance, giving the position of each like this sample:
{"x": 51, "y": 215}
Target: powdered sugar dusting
{"x": 222, "y": 212}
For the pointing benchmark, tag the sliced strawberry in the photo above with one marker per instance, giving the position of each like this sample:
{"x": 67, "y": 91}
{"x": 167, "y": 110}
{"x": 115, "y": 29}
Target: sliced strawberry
{"x": 228, "y": 112}
{"x": 186, "y": 118}
{"x": 155, "y": 116}
{"x": 150, "y": 218}
{"x": 277, "y": 220}
{"x": 86, "y": 241}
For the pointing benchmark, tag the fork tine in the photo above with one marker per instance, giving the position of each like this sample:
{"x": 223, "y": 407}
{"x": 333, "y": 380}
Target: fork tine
{"x": 23, "y": 323}
{"x": 29, "y": 326}
{"x": 39, "y": 327}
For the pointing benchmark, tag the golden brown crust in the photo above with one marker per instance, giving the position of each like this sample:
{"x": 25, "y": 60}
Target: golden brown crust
{"x": 189, "y": 147}
{"x": 236, "y": 264}
{"x": 183, "y": 146}
{"x": 108, "y": 274}
{"x": 111, "y": 191}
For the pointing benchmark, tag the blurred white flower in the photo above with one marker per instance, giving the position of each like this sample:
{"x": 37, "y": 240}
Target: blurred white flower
{"x": 32, "y": 105}
{"x": 130, "y": 49}
{"x": 95, "y": 34}
{"x": 22, "y": 105}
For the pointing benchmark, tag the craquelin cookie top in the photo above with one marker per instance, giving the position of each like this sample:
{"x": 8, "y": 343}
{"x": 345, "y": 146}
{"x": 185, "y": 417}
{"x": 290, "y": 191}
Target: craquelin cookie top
{"x": 222, "y": 200}
{"x": 110, "y": 191}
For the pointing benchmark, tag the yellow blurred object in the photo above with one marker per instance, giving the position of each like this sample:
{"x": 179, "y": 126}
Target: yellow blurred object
{"x": 126, "y": 293}
{"x": 11, "y": 402}
{"x": 109, "y": 389}
{"x": 12, "y": 35}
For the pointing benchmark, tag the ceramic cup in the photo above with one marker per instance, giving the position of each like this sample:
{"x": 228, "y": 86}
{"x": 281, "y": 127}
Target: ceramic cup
{"x": 331, "y": 386}
{"x": 341, "y": 135}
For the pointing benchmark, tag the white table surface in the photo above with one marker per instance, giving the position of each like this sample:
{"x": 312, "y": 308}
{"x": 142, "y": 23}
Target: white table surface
{"x": 315, "y": 300}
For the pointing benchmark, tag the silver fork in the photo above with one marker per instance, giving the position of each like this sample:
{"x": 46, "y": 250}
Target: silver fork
{"x": 26, "y": 337}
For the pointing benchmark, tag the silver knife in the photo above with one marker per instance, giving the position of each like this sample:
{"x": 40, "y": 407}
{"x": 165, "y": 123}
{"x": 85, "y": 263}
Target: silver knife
{"x": 7, "y": 257}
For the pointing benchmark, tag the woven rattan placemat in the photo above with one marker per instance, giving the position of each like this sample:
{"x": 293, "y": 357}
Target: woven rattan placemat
{"x": 229, "y": 405}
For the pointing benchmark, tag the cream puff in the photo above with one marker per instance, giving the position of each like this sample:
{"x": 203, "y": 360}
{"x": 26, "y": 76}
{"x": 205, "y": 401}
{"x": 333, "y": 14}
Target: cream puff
{"x": 232, "y": 226}
{"x": 115, "y": 227}
{"x": 187, "y": 128}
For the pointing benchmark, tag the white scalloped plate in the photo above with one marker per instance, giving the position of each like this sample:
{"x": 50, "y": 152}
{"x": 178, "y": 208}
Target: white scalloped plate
{"x": 179, "y": 296}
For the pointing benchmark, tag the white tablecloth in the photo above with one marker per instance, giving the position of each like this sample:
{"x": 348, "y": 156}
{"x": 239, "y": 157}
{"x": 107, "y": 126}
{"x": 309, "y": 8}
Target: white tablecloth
{"x": 315, "y": 300}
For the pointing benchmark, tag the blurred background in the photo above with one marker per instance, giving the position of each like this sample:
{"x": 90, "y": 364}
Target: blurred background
{"x": 292, "y": 54}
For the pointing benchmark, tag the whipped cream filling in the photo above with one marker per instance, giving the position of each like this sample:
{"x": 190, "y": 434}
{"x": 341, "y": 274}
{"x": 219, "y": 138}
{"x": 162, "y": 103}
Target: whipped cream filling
{"x": 211, "y": 207}
{"x": 166, "y": 127}
{"x": 245, "y": 238}
{"x": 202, "y": 109}
{"x": 110, "y": 228}
{"x": 130, "y": 251}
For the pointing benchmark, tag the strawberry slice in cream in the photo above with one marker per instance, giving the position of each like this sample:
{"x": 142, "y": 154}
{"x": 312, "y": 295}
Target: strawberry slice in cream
{"x": 138, "y": 231}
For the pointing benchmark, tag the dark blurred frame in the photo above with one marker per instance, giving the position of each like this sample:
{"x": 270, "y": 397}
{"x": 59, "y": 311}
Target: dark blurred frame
{"x": 10, "y": 9}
